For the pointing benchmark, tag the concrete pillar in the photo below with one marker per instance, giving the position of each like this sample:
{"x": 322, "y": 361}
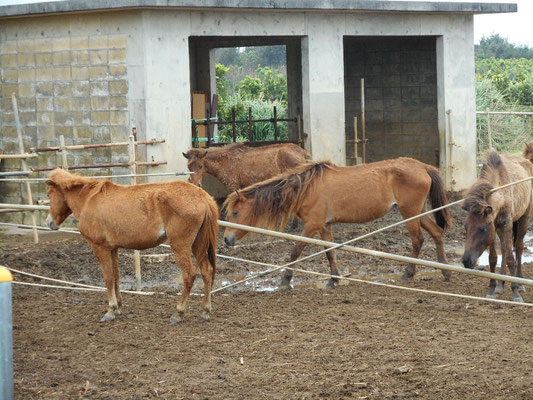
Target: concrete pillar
{"x": 323, "y": 88}
{"x": 456, "y": 103}
{"x": 294, "y": 83}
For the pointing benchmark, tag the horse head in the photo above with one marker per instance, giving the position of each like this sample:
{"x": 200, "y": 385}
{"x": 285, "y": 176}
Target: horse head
{"x": 196, "y": 164}
{"x": 238, "y": 210}
{"x": 480, "y": 224}
{"x": 59, "y": 208}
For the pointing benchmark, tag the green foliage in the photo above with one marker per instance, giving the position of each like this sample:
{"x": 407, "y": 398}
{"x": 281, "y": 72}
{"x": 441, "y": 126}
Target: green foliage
{"x": 496, "y": 46}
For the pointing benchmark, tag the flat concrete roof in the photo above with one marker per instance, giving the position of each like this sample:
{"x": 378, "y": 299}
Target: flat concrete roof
{"x": 378, "y": 6}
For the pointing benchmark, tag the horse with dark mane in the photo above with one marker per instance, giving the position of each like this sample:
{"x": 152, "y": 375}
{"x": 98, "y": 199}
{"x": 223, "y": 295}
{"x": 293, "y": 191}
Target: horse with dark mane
{"x": 139, "y": 217}
{"x": 504, "y": 212}
{"x": 321, "y": 194}
{"x": 238, "y": 166}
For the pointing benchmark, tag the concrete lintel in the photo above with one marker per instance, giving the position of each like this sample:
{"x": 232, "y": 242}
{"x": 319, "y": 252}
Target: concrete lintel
{"x": 74, "y": 6}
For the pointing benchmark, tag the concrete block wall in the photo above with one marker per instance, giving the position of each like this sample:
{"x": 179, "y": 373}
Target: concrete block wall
{"x": 75, "y": 86}
{"x": 400, "y": 96}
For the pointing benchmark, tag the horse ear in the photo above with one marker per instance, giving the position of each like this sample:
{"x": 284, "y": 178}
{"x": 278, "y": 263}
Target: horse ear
{"x": 201, "y": 154}
{"x": 186, "y": 155}
{"x": 240, "y": 196}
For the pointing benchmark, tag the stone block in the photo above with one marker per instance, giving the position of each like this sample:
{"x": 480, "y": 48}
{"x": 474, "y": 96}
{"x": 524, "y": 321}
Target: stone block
{"x": 25, "y": 46}
{"x": 80, "y": 88}
{"x": 9, "y": 119}
{"x": 119, "y": 87}
{"x": 61, "y": 44}
{"x": 61, "y": 58}
{"x": 26, "y": 60}
{"x": 8, "y": 61}
{"x": 27, "y": 118}
{"x": 8, "y": 47}
{"x": 82, "y": 118}
{"x": 9, "y": 75}
{"x": 80, "y": 57}
{"x": 9, "y": 88}
{"x": 79, "y": 43}
{"x": 117, "y": 71}
{"x": 410, "y": 92}
{"x": 117, "y": 56}
{"x": 46, "y": 132}
{"x": 118, "y": 103}
{"x": 119, "y": 134}
{"x": 62, "y": 88}
{"x": 63, "y": 104}
{"x": 98, "y": 57}
{"x": 44, "y": 74}
{"x": 81, "y": 104}
{"x": 61, "y": 74}
{"x": 45, "y": 104}
{"x": 118, "y": 117}
{"x": 45, "y": 88}
{"x": 391, "y": 81}
{"x": 43, "y": 45}
{"x": 97, "y": 73}
{"x": 27, "y": 89}
{"x": 64, "y": 130}
{"x": 82, "y": 132}
{"x": 27, "y": 103}
{"x": 44, "y": 118}
{"x": 80, "y": 73}
{"x": 43, "y": 59}
{"x": 101, "y": 133}
{"x": 117, "y": 41}
{"x": 26, "y": 75}
{"x": 99, "y": 103}
{"x": 100, "y": 118}
{"x": 99, "y": 88}
{"x": 98, "y": 42}
{"x": 63, "y": 118}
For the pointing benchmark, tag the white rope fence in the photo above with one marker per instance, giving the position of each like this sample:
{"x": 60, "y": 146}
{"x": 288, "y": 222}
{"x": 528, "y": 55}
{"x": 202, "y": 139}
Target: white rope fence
{"x": 100, "y": 177}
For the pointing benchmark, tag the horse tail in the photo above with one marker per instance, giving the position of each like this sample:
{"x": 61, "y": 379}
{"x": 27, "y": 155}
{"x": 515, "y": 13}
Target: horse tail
{"x": 438, "y": 198}
{"x": 205, "y": 244}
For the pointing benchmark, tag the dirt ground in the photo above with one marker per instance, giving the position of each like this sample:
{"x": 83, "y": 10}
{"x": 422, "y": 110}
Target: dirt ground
{"x": 356, "y": 341}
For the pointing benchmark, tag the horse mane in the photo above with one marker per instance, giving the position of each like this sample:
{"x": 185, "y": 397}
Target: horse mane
{"x": 279, "y": 197}
{"x": 67, "y": 181}
{"x": 528, "y": 151}
{"x": 479, "y": 193}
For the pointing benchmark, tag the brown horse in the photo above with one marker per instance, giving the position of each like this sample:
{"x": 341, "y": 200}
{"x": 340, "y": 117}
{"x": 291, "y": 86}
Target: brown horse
{"x": 238, "y": 166}
{"x": 504, "y": 212}
{"x": 138, "y": 217}
{"x": 322, "y": 194}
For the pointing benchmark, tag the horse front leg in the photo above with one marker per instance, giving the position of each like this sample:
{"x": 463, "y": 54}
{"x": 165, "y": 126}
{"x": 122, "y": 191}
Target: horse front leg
{"x": 105, "y": 257}
{"x": 493, "y": 286}
{"x": 508, "y": 260}
{"x": 327, "y": 235}
{"x": 116, "y": 277}
{"x": 309, "y": 231}
{"x": 521, "y": 230}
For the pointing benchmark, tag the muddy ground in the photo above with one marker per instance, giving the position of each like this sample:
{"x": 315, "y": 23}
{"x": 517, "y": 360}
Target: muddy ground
{"x": 354, "y": 342}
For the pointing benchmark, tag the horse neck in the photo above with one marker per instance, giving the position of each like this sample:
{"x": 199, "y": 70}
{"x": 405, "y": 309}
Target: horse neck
{"x": 76, "y": 199}
{"x": 217, "y": 167}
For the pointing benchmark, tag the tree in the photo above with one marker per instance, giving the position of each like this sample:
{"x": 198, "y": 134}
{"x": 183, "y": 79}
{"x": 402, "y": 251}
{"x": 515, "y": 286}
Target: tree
{"x": 496, "y": 46}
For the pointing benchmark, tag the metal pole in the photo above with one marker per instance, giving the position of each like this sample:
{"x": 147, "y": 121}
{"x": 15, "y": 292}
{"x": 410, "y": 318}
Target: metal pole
{"x": 24, "y": 165}
{"x": 250, "y": 129}
{"x": 489, "y": 133}
{"x": 275, "y": 123}
{"x": 6, "y": 336}
{"x": 133, "y": 170}
{"x": 363, "y": 128}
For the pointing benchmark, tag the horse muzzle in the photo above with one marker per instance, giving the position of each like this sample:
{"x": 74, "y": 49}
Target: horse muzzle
{"x": 470, "y": 258}
{"x": 230, "y": 239}
{"x": 51, "y": 224}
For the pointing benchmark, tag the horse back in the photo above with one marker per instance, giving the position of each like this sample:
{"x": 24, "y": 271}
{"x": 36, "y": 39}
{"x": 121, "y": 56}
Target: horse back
{"x": 518, "y": 197}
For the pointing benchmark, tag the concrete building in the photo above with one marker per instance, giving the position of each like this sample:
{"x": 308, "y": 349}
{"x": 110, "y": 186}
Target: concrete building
{"x": 90, "y": 70}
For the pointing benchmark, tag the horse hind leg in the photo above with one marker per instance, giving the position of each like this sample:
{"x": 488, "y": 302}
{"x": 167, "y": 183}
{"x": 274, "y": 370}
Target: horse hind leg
{"x": 105, "y": 257}
{"x": 521, "y": 230}
{"x": 207, "y": 275}
{"x": 188, "y": 273}
{"x": 417, "y": 240}
{"x": 437, "y": 234}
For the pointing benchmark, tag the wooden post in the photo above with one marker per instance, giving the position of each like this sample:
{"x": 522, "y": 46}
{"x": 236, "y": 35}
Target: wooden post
{"x": 489, "y": 133}
{"x": 24, "y": 164}
{"x": 355, "y": 142}
{"x": 63, "y": 151}
{"x": 363, "y": 128}
{"x": 134, "y": 181}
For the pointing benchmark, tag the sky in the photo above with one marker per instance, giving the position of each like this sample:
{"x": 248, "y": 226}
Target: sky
{"x": 516, "y": 27}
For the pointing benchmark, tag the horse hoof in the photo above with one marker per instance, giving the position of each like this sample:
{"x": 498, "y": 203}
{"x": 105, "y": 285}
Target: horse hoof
{"x": 491, "y": 296}
{"x": 175, "y": 319}
{"x": 447, "y": 275}
{"x": 204, "y": 318}
{"x": 285, "y": 286}
{"x": 518, "y": 299}
{"x": 118, "y": 311}
{"x": 406, "y": 277}
{"x": 331, "y": 284}
{"x": 499, "y": 289}
{"x": 521, "y": 288}
{"x": 108, "y": 317}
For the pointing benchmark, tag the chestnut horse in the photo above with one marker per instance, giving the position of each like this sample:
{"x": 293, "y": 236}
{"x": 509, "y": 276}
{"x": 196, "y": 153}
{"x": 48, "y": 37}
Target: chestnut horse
{"x": 238, "y": 166}
{"x": 504, "y": 212}
{"x": 139, "y": 217}
{"x": 322, "y": 194}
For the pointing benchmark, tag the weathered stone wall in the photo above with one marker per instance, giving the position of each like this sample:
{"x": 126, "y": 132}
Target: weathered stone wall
{"x": 75, "y": 86}
{"x": 400, "y": 96}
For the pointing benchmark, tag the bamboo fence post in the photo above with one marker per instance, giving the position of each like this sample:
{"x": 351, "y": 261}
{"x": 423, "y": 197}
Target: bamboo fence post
{"x": 24, "y": 165}
{"x": 355, "y": 141}
{"x": 63, "y": 151}
{"x": 134, "y": 181}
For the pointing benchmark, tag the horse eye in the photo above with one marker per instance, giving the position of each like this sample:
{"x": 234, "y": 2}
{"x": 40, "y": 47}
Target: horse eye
{"x": 235, "y": 213}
